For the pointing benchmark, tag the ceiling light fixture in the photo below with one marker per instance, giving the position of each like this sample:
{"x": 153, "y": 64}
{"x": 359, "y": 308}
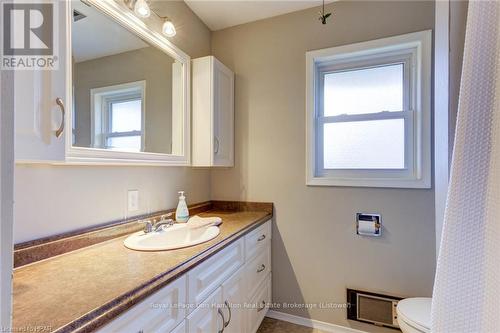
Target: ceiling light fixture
{"x": 168, "y": 28}
{"x": 141, "y": 8}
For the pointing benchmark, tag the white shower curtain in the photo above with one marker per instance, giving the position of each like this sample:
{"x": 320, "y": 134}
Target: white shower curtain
{"x": 466, "y": 294}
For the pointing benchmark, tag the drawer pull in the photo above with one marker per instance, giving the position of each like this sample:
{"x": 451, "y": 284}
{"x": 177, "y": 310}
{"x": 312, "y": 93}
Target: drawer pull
{"x": 216, "y": 144}
{"x": 262, "y": 307}
{"x": 223, "y": 320}
{"x": 261, "y": 268}
{"x": 261, "y": 238}
{"x": 229, "y": 312}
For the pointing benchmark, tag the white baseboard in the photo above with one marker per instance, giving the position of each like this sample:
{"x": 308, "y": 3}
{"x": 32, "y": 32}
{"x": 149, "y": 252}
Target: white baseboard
{"x": 320, "y": 325}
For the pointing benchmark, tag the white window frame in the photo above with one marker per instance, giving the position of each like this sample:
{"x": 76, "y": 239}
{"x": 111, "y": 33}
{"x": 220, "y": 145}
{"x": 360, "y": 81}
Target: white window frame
{"x": 101, "y": 101}
{"x": 414, "y": 51}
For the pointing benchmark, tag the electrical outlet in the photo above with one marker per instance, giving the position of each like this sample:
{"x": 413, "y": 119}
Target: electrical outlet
{"x": 133, "y": 200}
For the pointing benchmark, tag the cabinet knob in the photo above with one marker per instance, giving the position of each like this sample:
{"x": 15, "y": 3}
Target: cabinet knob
{"x": 261, "y": 238}
{"x": 261, "y": 268}
{"x": 60, "y": 130}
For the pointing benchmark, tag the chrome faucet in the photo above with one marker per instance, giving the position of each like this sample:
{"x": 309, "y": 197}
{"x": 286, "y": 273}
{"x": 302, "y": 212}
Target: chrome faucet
{"x": 150, "y": 226}
{"x": 164, "y": 221}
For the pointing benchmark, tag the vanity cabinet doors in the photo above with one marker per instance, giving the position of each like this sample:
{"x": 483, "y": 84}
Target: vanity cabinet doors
{"x": 41, "y": 96}
{"x": 259, "y": 305}
{"x": 156, "y": 314}
{"x": 233, "y": 299}
{"x": 213, "y": 113}
{"x": 208, "y": 316}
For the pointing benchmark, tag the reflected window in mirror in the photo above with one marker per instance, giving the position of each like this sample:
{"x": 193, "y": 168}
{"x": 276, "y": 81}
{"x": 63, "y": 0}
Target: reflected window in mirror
{"x": 128, "y": 93}
{"x": 118, "y": 116}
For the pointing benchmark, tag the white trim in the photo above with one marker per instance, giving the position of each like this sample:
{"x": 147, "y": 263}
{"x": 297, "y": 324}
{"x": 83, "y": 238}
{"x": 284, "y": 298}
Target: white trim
{"x": 320, "y": 325}
{"x": 420, "y": 169}
{"x": 150, "y": 30}
{"x": 6, "y": 195}
{"x": 441, "y": 113}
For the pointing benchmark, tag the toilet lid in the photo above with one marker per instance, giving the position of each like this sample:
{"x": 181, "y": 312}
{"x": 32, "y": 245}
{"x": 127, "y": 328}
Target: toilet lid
{"x": 416, "y": 312}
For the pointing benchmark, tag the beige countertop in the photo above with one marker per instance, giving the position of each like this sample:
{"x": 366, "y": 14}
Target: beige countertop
{"x": 84, "y": 289}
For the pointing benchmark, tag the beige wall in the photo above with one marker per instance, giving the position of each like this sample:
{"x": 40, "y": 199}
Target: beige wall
{"x": 54, "y": 199}
{"x": 149, "y": 64}
{"x": 458, "y": 21}
{"x": 316, "y": 253}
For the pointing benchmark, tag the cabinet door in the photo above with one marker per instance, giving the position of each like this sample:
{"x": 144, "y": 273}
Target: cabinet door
{"x": 37, "y": 114}
{"x": 181, "y": 328}
{"x": 259, "y": 304}
{"x": 207, "y": 317}
{"x": 233, "y": 298}
{"x": 159, "y": 313}
{"x": 223, "y": 115}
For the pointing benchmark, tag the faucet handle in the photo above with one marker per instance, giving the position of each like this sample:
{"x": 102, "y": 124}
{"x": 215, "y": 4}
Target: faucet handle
{"x": 148, "y": 225}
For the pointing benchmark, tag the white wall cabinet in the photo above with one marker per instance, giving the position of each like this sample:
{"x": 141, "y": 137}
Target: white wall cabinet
{"x": 224, "y": 293}
{"x": 37, "y": 114}
{"x": 213, "y": 113}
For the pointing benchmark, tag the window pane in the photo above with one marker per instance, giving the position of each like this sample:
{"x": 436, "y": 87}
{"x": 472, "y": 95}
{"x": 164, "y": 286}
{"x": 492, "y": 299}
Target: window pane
{"x": 368, "y": 90}
{"x": 128, "y": 143}
{"x": 126, "y": 116}
{"x": 376, "y": 144}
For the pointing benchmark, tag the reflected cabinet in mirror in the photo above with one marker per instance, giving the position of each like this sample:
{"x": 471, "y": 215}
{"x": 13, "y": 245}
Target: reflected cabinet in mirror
{"x": 128, "y": 85}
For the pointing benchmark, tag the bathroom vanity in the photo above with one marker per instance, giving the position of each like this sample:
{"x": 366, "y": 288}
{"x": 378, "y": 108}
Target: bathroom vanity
{"x": 221, "y": 285}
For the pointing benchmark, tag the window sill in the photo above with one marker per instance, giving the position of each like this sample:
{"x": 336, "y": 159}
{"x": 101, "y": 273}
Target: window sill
{"x": 370, "y": 182}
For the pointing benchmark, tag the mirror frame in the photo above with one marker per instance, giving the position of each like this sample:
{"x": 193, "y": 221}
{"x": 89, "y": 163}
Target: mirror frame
{"x": 150, "y": 30}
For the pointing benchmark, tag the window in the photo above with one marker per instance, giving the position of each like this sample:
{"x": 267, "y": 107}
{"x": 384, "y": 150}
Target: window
{"x": 368, "y": 113}
{"x": 118, "y": 117}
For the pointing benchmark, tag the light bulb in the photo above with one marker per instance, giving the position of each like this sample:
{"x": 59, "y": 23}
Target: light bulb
{"x": 141, "y": 8}
{"x": 168, "y": 28}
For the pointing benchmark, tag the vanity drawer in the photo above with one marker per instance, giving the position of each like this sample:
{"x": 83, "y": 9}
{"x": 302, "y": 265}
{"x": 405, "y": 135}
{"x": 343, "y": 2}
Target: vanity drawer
{"x": 257, "y": 269}
{"x": 259, "y": 305}
{"x": 257, "y": 240}
{"x": 157, "y": 313}
{"x": 208, "y": 276}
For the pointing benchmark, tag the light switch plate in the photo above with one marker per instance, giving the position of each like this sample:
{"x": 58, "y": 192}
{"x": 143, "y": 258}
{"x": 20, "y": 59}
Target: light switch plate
{"x": 133, "y": 200}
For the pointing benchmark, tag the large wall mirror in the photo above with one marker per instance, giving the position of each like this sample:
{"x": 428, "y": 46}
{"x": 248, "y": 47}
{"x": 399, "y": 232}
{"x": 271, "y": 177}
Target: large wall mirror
{"x": 129, "y": 87}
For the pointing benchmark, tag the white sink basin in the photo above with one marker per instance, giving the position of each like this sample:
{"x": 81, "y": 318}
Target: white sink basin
{"x": 174, "y": 237}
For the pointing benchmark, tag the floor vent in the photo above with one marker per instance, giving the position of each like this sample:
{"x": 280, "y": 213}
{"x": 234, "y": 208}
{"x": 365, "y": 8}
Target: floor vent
{"x": 372, "y": 308}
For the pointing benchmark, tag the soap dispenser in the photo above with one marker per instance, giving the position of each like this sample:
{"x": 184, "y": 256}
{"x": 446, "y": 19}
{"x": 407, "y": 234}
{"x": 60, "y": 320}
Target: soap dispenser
{"x": 182, "y": 212}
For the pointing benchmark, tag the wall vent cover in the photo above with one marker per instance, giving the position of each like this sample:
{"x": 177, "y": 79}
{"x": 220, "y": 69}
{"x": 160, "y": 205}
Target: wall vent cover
{"x": 372, "y": 308}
